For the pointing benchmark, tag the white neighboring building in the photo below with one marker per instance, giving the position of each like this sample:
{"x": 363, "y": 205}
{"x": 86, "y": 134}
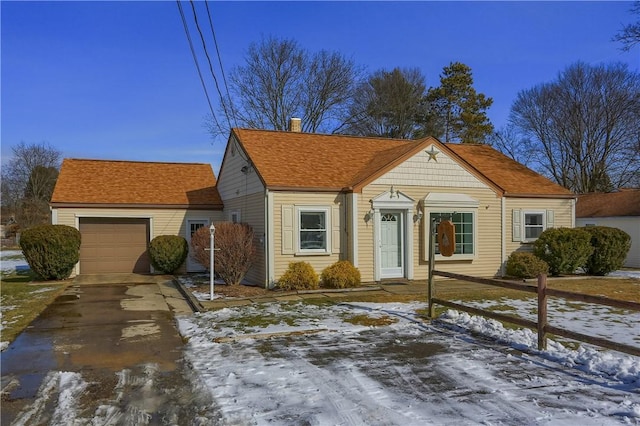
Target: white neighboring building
{"x": 617, "y": 210}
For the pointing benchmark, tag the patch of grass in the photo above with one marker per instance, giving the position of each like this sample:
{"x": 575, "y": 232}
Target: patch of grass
{"x": 22, "y": 303}
{"x": 368, "y": 321}
{"x": 262, "y": 321}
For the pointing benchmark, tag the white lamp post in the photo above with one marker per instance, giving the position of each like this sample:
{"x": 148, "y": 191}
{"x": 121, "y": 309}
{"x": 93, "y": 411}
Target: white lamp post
{"x": 212, "y": 231}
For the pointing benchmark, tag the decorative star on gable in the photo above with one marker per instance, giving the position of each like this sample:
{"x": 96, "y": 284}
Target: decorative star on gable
{"x": 432, "y": 154}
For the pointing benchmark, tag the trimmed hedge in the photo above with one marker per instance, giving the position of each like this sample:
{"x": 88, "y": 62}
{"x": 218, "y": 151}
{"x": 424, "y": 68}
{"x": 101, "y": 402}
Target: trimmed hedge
{"x": 51, "y": 250}
{"x": 564, "y": 249}
{"x": 610, "y": 248}
{"x": 299, "y": 276}
{"x": 525, "y": 265}
{"x": 341, "y": 274}
{"x": 168, "y": 252}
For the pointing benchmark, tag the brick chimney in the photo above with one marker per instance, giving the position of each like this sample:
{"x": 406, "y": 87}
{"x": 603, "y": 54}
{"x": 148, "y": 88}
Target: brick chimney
{"x": 295, "y": 125}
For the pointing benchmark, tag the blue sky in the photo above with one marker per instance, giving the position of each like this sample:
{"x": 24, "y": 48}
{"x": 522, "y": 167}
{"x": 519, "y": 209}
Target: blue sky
{"x": 116, "y": 80}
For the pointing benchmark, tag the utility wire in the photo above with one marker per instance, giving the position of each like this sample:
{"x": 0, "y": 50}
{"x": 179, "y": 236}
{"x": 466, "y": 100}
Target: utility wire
{"x": 204, "y": 46}
{"x": 224, "y": 78}
{"x": 195, "y": 59}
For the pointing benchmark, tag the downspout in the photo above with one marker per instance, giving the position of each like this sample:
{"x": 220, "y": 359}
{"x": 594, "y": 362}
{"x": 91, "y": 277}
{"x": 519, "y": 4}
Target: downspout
{"x": 503, "y": 235}
{"x": 354, "y": 229}
{"x": 269, "y": 236}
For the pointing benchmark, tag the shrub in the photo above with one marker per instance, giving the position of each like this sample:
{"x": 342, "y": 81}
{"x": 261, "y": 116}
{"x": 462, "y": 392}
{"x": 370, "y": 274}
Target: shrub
{"x": 168, "y": 252}
{"x": 199, "y": 247}
{"x": 341, "y": 274}
{"x": 564, "y": 249}
{"x": 234, "y": 251}
{"x": 525, "y": 265}
{"x": 51, "y": 250}
{"x": 610, "y": 248}
{"x": 299, "y": 276}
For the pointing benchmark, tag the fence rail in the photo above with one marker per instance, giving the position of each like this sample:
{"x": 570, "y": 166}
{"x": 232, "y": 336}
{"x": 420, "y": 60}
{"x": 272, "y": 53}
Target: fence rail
{"x": 542, "y": 326}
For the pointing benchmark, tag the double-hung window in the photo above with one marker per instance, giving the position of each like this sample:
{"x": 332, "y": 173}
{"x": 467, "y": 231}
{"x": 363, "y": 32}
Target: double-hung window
{"x": 533, "y": 225}
{"x": 313, "y": 230}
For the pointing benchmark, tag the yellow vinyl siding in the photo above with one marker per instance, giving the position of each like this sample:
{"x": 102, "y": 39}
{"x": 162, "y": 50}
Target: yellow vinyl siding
{"x": 562, "y": 217}
{"x": 232, "y": 182}
{"x": 162, "y": 221}
{"x": 334, "y": 201}
{"x": 252, "y": 211}
{"x": 488, "y": 233}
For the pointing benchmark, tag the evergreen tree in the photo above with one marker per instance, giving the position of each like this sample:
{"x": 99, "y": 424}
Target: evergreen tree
{"x": 456, "y": 112}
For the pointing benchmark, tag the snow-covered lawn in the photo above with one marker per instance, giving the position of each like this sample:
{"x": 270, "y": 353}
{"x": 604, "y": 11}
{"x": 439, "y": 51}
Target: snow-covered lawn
{"x": 328, "y": 365}
{"x": 12, "y": 261}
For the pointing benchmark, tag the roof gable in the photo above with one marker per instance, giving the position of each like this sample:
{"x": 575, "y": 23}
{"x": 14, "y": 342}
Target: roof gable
{"x": 136, "y": 183}
{"x": 625, "y": 202}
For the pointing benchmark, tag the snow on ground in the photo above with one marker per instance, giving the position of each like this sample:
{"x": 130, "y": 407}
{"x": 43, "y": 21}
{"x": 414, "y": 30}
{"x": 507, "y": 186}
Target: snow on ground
{"x": 330, "y": 371}
{"x": 12, "y": 261}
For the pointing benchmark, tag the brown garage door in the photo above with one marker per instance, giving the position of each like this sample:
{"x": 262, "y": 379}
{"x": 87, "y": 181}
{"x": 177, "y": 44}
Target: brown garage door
{"x": 114, "y": 245}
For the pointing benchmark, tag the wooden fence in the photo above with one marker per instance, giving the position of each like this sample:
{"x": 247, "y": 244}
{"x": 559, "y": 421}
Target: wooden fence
{"x": 542, "y": 326}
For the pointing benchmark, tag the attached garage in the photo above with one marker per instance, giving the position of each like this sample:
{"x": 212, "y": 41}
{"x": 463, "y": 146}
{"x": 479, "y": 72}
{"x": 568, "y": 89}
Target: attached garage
{"x": 114, "y": 245}
{"x": 120, "y": 206}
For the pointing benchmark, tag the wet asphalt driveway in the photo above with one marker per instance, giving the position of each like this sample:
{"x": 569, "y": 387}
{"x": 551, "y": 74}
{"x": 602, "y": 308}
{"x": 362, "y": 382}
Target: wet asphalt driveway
{"x": 106, "y": 354}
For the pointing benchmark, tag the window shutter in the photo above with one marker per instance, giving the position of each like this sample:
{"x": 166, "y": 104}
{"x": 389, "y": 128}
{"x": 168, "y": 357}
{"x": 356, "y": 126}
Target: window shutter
{"x": 287, "y": 230}
{"x": 335, "y": 230}
{"x": 550, "y": 219}
{"x": 517, "y": 226}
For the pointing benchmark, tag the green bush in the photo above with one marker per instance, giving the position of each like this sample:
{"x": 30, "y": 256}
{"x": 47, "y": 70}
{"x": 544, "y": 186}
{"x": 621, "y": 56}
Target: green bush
{"x": 51, "y": 250}
{"x": 168, "y": 252}
{"x": 299, "y": 276}
{"x": 525, "y": 265}
{"x": 564, "y": 249}
{"x": 610, "y": 248}
{"x": 341, "y": 274}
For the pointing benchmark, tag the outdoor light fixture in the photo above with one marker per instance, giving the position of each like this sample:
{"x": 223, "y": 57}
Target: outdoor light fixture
{"x": 418, "y": 216}
{"x": 212, "y": 231}
{"x": 245, "y": 169}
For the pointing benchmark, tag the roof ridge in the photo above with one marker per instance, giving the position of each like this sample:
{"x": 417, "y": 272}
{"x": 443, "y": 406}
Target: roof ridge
{"x": 136, "y": 161}
{"x": 330, "y": 135}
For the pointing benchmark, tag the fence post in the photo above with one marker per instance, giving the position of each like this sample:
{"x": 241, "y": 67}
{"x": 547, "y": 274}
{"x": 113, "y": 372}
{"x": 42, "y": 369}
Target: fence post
{"x": 542, "y": 312}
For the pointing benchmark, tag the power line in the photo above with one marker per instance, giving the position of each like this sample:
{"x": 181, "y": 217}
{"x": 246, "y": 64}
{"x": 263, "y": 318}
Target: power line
{"x": 195, "y": 59}
{"x": 206, "y": 52}
{"x": 224, "y": 78}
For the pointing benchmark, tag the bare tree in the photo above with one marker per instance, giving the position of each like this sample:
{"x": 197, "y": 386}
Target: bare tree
{"x": 281, "y": 80}
{"x": 629, "y": 35}
{"x": 583, "y": 127}
{"x": 388, "y": 104}
{"x": 28, "y": 180}
{"x": 511, "y": 143}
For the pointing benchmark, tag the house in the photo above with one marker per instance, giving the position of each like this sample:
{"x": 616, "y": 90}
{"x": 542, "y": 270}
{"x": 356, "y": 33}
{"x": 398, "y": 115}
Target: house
{"x": 120, "y": 206}
{"x": 617, "y": 210}
{"x": 324, "y": 198}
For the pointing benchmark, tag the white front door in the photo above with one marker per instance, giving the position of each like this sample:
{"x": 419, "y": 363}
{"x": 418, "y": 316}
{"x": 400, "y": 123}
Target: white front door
{"x": 192, "y": 226}
{"x": 391, "y": 245}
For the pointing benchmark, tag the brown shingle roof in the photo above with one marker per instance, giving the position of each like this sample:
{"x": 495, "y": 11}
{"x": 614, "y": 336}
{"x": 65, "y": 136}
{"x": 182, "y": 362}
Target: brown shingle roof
{"x": 136, "y": 183}
{"x": 330, "y": 162}
{"x": 626, "y": 202}
{"x": 512, "y": 177}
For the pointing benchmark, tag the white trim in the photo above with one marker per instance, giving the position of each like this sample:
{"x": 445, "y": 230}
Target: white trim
{"x": 328, "y": 216}
{"x": 270, "y": 262}
{"x": 235, "y": 212}
{"x": 354, "y": 229}
{"x": 400, "y": 203}
{"x": 503, "y": 236}
{"x": 445, "y": 202}
{"x": 187, "y": 236}
{"x": 524, "y": 214}
{"x": 54, "y": 216}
